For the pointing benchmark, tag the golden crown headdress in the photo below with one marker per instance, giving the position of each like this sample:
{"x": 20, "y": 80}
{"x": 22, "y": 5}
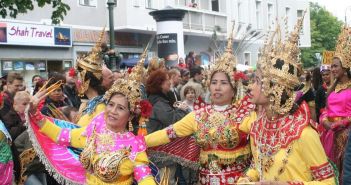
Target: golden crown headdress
{"x": 130, "y": 87}
{"x": 343, "y": 47}
{"x": 226, "y": 62}
{"x": 280, "y": 67}
{"x": 92, "y": 63}
{"x": 139, "y": 69}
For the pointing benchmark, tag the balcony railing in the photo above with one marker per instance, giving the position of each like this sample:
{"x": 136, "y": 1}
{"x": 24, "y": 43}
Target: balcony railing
{"x": 204, "y": 20}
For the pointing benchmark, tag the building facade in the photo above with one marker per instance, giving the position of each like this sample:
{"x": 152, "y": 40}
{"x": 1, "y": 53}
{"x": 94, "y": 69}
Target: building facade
{"x": 134, "y": 28}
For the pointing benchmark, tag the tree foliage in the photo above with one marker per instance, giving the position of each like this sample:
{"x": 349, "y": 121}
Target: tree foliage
{"x": 12, "y": 8}
{"x": 325, "y": 29}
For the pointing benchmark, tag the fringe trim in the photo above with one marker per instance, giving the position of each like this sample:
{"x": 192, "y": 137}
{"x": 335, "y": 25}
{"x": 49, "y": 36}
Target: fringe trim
{"x": 49, "y": 167}
{"x": 226, "y": 156}
{"x": 157, "y": 156}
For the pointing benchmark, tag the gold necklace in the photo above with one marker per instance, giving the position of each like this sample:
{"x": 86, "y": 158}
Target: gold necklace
{"x": 339, "y": 87}
{"x": 265, "y": 158}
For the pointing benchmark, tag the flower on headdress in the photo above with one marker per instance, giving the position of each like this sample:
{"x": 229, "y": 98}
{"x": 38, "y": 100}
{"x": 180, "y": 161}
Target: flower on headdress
{"x": 146, "y": 108}
{"x": 240, "y": 75}
{"x": 129, "y": 70}
{"x": 72, "y": 72}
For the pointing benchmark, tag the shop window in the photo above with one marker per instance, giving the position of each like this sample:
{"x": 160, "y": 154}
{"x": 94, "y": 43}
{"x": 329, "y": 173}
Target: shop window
{"x": 92, "y": 3}
{"x": 270, "y": 16}
{"x": 149, "y": 4}
{"x": 215, "y": 5}
{"x": 116, "y": 2}
{"x": 240, "y": 11}
{"x": 136, "y": 3}
{"x": 287, "y": 15}
{"x": 258, "y": 15}
{"x": 247, "y": 59}
{"x": 67, "y": 64}
{"x": 299, "y": 15}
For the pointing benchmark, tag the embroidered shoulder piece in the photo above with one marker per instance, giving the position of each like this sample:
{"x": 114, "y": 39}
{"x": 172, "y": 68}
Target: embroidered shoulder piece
{"x": 199, "y": 103}
{"x": 281, "y": 132}
{"x": 91, "y": 105}
{"x": 244, "y": 107}
{"x": 322, "y": 172}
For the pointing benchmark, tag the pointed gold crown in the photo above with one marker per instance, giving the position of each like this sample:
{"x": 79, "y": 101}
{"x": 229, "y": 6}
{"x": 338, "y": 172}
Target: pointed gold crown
{"x": 285, "y": 66}
{"x": 93, "y": 61}
{"x": 139, "y": 69}
{"x": 280, "y": 68}
{"x": 130, "y": 87}
{"x": 226, "y": 62}
{"x": 343, "y": 47}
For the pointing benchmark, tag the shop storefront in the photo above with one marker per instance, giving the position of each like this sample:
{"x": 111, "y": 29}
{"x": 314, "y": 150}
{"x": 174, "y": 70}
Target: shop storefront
{"x": 32, "y": 49}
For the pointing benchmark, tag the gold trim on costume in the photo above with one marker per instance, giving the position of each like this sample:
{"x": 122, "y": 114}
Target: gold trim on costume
{"x": 277, "y": 80}
{"x": 343, "y": 47}
{"x": 226, "y": 62}
{"x": 130, "y": 87}
{"x": 92, "y": 63}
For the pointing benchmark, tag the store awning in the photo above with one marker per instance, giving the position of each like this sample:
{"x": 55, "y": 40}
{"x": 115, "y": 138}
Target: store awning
{"x": 131, "y": 62}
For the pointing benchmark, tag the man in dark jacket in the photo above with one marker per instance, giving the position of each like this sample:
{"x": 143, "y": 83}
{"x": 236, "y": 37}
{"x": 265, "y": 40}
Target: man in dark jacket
{"x": 163, "y": 114}
{"x": 69, "y": 89}
{"x": 7, "y": 113}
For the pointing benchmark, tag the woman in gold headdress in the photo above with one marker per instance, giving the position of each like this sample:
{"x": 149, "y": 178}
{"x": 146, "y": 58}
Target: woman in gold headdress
{"x": 224, "y": 149}
{"x": 111, "y": 154}
{"x": 336, "y": 116}
{"x": 285, "y": 148}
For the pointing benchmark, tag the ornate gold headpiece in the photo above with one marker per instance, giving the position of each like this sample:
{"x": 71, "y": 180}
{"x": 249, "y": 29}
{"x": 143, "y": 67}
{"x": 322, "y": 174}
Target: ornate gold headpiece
{"x": 130, "y": 87}
{"x": 92, "y": 63}
{"x": 139, "y": 69}
{"x": 280, "y": 67}
{"x": 343, "y": 47}
{"x": 226, "y": 62}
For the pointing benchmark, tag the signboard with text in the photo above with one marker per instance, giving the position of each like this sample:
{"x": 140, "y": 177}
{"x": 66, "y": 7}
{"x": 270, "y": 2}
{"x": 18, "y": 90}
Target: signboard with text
{"x": 34, "y": 35}
{"x": 168, "y": 48}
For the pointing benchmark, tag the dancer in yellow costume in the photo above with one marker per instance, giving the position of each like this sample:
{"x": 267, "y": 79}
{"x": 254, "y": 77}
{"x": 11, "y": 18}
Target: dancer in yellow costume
{"x": 89, "y": 72}
{"x": 285, "y": 148}
{"x": 111, "y": 154}
{"x": 224, "y": 148}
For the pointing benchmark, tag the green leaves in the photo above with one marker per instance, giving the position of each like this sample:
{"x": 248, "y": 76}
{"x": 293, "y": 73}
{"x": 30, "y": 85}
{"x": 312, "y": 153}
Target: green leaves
{"x": 11, "y": 8}
{"x": 325, "y": 29}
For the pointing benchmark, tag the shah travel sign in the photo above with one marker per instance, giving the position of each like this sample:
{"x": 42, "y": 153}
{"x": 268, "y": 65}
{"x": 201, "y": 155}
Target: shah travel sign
{"x": 34, "y": 35}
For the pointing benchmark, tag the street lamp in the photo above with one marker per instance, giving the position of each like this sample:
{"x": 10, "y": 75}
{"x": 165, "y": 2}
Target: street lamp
{"x": 112, "y": 59}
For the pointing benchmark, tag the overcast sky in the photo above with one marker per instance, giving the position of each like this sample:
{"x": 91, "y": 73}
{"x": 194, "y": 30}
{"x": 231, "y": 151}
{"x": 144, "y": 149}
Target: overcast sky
{"x": 337, "y": 8}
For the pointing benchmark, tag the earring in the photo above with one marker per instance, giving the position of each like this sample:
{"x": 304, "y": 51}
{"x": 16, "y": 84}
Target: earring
{"x": 130, "y": 125}
{"x": 271, "y": 104}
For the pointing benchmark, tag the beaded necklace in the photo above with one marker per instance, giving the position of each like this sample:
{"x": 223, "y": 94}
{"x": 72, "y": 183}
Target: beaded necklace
{"x": 266, "y": 153}
{"x": 339, "y": 87}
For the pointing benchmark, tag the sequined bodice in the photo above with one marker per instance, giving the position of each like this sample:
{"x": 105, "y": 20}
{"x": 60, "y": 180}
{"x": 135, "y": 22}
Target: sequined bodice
{"x": 220, "y": 129}
{"x": 106, "y": 151}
